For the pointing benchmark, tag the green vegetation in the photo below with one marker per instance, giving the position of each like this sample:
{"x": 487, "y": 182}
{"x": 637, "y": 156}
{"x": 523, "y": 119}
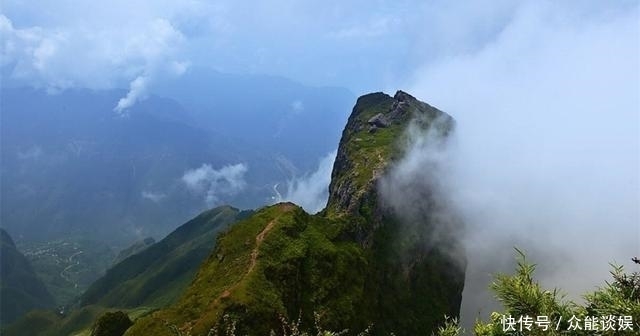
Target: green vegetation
{"x": 33, "y": 323}
{"x": 111, "y": 324}
{"x": 141, "y": 283}
{"x": 350, "y": 264}
{"x": 78, "y": 322}
{"x": 522, "y": 296}
{"x": 135, "y": 248}
{"x": 156, "y": 276}
{"x": 20, "y": 288}
{"x": 50, "y": 323}
{"x": 349, "y": 268}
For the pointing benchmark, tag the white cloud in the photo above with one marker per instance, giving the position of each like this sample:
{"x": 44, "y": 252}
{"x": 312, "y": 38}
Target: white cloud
{"x": 310, "y": 191}
{"x": 153, "y": 196}
{"x": 137, "y": 91}
{"x": 179, "y": 68}
{"x": 214, "y": 184}
{"x": 547, "y": 148}
{"x": 98, "y": 57}
{"x": 109, "y": 44}
{"x": 32, "y": 153}
{"x": 297, "y": 106}
{"x": 374, "y": 27}
{"x": 416, "y": 188}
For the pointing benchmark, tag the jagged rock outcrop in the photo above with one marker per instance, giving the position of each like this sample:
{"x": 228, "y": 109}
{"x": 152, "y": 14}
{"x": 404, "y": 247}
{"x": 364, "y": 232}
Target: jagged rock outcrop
{"x": 361, "y": 158}
{"x": 353, "y": 265}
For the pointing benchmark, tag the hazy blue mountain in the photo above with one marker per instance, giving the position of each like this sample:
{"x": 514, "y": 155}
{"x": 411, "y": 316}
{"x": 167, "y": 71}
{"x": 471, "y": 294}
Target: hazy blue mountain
{"x": 71, "y": 165}
{"x": 20, "y": 288}
{"x": 73, "y": 171}
{"x": 275, "y": 112}
{"x": 357, "y": 264}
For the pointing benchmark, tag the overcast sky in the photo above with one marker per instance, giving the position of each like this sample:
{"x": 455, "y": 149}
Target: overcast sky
{"x": 546, "y": 94}
{"x": 361, "y": 45}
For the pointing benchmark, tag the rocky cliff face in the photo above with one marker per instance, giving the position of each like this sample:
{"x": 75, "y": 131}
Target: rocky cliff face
{"x": 369, "y": 144}
{"x": 373, "y": 139}
{"x": 353, "y": 265}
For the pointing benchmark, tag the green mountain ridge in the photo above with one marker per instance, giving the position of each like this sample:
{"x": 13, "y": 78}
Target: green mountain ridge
{"x": 354, "y": 265}
{"x": 20, "y": 289}
{"x": 158, "y": 274}
{"x": 142, "y": 282}
{"x": 135, "y": 248}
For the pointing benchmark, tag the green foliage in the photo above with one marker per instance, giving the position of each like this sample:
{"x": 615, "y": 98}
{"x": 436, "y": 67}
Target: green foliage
{"x": 78, "y": 322}
{"x": 351, "y": 263}
{"x": 111, "y": 324}
{"x": 135, "y": 248}
{"x": 522, "y": 296}
{"x": 34, "y": 322}
{"x": 619, "y": 298}
{"x": 365, "y": 153}
{"x": 449, "y": 328}
{"x": 145, "y": 281}
{"x": 299, "y": 267}
{"x": 48, "y": 323}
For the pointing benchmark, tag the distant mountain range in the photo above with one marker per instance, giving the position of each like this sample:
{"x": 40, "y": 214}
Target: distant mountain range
{"x": 295, "y": 122}
{"x": 71, "y": 166}
{"x": 358, "y": 263}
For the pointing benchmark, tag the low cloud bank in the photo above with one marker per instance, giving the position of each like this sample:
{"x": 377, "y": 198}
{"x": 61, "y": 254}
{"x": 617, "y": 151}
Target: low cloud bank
{"x": 416, "y": 188}
{"x": 214, "y": 184}
{"x": 546, "y": 155}
{"x": 155, "y": 197}
{"x": 312, "y": 190}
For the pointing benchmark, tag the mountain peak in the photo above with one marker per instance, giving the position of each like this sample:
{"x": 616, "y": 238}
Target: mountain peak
{"x": 354, "y": 264}
{"x": 402, "y": 96}
{"x": 370, "y": 142}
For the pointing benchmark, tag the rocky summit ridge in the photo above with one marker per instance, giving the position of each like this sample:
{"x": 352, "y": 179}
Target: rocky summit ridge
{"x": 351, "y": 266}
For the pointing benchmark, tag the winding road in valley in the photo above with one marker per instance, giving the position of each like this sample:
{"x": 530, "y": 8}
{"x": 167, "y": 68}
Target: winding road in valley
{"x": 72, "y": 264}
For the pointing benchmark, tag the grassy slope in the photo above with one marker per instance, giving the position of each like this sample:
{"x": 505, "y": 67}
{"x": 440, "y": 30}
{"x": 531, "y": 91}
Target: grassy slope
{"x": 135, "y": 248}
{"x": 20, "y": 289}
{"x": 141, "y": 283}
{"x": 77, "y": 323}
{"x": 156, "y": 276}
{"x": 246, "y": 276}
{"x": 284, "y": 262}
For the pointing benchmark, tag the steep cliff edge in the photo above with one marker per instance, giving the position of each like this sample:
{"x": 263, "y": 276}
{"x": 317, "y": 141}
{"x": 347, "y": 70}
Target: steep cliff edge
{"x": 355, "y": 264}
